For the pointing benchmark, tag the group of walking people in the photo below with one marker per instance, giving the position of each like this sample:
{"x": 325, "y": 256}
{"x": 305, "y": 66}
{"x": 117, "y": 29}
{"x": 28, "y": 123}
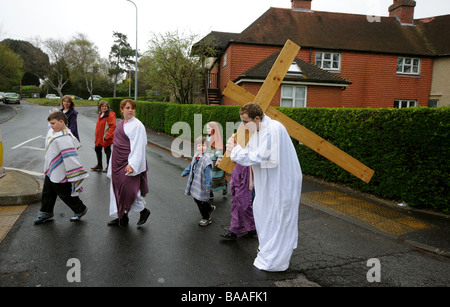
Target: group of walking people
{"x": 265, "y": 184}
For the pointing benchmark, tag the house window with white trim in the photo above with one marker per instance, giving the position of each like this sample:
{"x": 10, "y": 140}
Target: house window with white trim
{"x": 408, "y": 66}
{"x": 328, "y": 60}
{"x": 405, "y": 103}
{"x": 293, "y": 96}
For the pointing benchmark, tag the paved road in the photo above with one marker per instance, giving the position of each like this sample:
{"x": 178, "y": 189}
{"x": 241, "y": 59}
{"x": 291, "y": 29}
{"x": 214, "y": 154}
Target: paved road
{"x": 171, "y": 249}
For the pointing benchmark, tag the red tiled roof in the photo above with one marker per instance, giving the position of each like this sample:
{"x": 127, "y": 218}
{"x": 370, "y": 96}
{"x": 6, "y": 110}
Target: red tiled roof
{"x": 337, "y": 31}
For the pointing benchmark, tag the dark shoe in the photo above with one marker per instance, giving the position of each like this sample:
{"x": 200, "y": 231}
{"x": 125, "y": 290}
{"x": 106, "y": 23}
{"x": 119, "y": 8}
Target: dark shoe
{"x": 105, "y": 170}
{"x": 224, "y": 192}
{"x": 251, "y": 234}
{"x": 144, "y": 216}
{"x": 42, "y": 220}
{"x": 229, "y": 235}
{"x": 97, "y": 168}
{"x": 121, "y": 223}
{"x": 211, "y": 195}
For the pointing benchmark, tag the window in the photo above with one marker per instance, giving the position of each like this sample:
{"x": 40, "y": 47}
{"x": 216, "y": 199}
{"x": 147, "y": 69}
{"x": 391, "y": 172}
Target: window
{"x": 433, "y": 103}
{"x": 293, "y": 96}
{"x": 405, "y": 103}
{"x": 408, "y": 66}
{"x": 294, "y": 70}
{"x": 225, "y": 59}
{"x": 328, "y": 61}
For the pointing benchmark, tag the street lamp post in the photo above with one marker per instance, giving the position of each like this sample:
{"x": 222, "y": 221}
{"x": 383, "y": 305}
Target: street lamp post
{"x": 136, "y": 64}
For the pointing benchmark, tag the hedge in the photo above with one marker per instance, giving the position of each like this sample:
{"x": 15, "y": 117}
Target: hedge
{"x": 409, "y": 149}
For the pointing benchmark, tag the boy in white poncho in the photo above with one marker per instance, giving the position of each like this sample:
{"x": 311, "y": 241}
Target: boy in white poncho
{"x": 64, "y": 173}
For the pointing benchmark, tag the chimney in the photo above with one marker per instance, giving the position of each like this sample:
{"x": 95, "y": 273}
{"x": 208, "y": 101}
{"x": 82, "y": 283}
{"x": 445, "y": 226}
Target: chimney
{"x": 302, "y": 5}
{"x": 403, "y": 10}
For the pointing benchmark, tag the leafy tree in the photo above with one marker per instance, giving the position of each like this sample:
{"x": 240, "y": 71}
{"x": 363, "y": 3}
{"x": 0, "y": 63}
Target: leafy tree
{"x": 35, "y": 61}
{"x": 10, "y": 67}
{"x": 84, "y": 59}
{"x": 120, "y": 58}
{"x": 59, "y": 75}
{"x": 170, "y": 65}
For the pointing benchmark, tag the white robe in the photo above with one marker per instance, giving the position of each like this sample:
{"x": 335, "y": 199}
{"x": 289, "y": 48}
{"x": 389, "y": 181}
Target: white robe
{"x": 135, "y": 131}
{"x": 278, "y": 182}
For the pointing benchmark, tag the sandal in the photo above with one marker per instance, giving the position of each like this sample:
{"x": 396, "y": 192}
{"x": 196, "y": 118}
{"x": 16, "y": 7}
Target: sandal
{"x": 229, "y": 235}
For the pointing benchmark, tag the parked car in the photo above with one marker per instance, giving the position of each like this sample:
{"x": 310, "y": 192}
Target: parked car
{"x": 52, "y": 96}
{"x": 2, "y": 95}
{"x": 11, "y": 98}
{"x": 95, "y": 97}
{"x": 75, "y": 97}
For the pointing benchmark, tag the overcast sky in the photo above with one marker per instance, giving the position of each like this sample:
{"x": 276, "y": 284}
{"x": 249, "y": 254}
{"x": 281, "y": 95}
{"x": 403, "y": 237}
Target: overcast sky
{"x": 62, "y": 19}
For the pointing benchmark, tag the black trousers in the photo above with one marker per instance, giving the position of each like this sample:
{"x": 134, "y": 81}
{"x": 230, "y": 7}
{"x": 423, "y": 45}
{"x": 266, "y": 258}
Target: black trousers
{"x": 205, "y": 208}
{"x": 52, "y": 190}
{"x": 98, "y": 152}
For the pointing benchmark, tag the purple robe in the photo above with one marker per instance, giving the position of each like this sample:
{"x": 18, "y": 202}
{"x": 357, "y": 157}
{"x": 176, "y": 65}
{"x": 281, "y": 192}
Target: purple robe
{"x": 241, "y": 201}
{"x": 125, "y": 187}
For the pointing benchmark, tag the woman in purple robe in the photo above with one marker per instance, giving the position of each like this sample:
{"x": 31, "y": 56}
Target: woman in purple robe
{"x": 128, "y": 168}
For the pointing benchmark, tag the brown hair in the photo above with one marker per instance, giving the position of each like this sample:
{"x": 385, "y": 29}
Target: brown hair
{"x": 68, "y": 98}
{"x": 102, "y": 102}
{"x": 252, "y": 109}
{"x": 124, "y": 102}
{"x": 201, "y": 139}
{"x": 58, "y": 115}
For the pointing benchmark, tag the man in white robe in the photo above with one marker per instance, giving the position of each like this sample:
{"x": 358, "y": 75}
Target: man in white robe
{"x": 277, "y": 181}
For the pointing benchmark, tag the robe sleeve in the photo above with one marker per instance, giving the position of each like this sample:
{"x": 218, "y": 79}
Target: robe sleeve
{"x": 138, "y": 143}
{"x": 262, "y": 149}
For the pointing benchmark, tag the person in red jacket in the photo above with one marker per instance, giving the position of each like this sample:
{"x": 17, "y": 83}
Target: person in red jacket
{"x": 104, "y": 133}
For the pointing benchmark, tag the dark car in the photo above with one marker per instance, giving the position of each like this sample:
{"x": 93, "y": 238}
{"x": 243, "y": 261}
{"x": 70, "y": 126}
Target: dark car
{"x": 11, "y": 98}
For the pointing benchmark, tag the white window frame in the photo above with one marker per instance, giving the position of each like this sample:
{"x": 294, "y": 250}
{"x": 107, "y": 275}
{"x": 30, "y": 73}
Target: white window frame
{"x": 292, "y": 97}
{"x": 331, "y": 59}
{"x": 404, "y": 103}
{"x": 408, "y": 66}
{"x": 225, "y": 59}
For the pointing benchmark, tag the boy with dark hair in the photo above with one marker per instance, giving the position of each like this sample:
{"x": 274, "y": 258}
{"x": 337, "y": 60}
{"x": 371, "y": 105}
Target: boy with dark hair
{"x": 64, "y": 173}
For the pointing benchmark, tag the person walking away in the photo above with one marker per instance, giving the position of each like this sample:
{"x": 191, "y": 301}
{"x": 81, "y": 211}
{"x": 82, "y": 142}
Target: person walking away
{"x": 128, "y": 168}
{"x": 64, "y": 174}
{"x": 278, "y": 182}
{"x": 68, "y": 108}
{"x": 104, "y": 134}
{"x": 200, "y": 180}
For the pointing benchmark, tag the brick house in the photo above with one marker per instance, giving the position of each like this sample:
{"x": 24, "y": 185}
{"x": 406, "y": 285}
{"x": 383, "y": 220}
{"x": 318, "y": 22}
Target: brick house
{"x": 346, "y": 60}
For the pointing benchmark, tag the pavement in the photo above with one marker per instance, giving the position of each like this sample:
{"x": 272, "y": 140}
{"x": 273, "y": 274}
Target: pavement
{"x": 422, "y": 229}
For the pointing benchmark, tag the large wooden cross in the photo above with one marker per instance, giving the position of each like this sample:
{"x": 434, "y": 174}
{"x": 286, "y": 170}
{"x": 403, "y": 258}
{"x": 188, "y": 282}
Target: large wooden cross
{"x": 295, "y": 130}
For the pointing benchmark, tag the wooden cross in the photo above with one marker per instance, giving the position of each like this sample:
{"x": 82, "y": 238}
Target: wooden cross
{"x": 295, "y": 130}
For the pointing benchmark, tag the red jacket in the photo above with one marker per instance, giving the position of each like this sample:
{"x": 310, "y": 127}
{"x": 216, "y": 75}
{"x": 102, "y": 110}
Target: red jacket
{"x": 104, "y": 130}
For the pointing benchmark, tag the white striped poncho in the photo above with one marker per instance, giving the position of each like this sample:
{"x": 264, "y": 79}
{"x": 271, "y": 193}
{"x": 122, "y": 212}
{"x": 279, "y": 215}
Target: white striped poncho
{"x": 62, "y": 163}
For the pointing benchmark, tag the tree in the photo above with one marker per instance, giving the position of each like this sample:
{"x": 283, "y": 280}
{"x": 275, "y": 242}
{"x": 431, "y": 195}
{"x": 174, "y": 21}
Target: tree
{"x": 84, "y": 58}
{"x": 10, "y": 67}
{"x": 120, "y": 58}
{"x": 35, "y": 61}
{"x": 169, "y": 64}
{"x": 59, "y": 73}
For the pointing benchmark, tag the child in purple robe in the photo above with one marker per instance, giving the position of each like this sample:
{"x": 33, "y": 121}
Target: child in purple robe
{"x": 128, "y": 168}
{"x": 241, "y": 187}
